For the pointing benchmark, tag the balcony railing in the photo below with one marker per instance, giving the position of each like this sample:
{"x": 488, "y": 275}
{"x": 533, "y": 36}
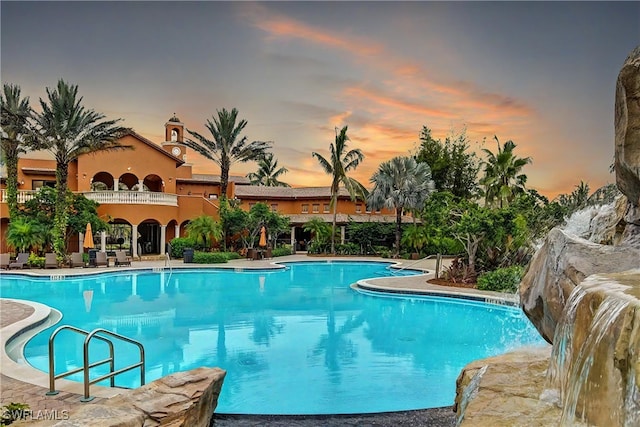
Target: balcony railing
{"x": 110, "y": 197}
{"x": 132, "y": 198}
{"x": 23, "y": 196}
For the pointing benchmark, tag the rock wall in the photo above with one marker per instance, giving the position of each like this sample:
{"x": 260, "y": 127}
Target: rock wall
{"x": 627, "y": 142}
{"x": 183, "y": 399}
{"x": 558, "y": 267}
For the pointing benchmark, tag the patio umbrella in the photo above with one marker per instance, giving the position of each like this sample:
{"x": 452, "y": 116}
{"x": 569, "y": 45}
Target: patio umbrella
{"x": 263, "y": 237}
{"x": 88, "y": 237}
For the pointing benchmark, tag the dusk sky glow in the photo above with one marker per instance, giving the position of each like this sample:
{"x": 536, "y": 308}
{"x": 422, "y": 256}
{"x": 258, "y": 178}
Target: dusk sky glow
{"x": 539, "y": 73}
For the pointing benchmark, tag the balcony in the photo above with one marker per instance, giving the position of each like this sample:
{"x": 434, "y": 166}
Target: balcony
{"x": 111, "y": 197}
{"x": 132, "y": 198}
{"x": 23, "y": 196}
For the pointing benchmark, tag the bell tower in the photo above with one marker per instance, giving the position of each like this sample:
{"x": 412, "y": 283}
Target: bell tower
{"x": 174, "y": 138}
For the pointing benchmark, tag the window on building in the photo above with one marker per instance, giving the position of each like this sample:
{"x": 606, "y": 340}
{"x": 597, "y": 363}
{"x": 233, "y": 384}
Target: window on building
{"x": 358, "y": 208}
{"x": 316, "y": 208}
{"x": 274, "y": 207}
{"x": 368, "y": 209}
{"x": 37, "y": 184}
{"x": 377, "y": 210}
{"x": 305, "y": 208}
{"x": 326, "y": 208}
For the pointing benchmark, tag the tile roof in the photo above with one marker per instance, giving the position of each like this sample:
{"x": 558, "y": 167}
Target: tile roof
{"x": 214, "y": 179}
{"x": 260, "y": 191}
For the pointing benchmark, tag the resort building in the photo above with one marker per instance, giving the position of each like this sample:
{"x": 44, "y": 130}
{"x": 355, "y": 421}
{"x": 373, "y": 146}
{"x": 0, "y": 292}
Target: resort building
{"x": 149, "y": 193}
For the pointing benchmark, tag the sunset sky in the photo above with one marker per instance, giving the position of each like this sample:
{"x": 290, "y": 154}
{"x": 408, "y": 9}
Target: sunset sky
{"x": 539, "y": 73}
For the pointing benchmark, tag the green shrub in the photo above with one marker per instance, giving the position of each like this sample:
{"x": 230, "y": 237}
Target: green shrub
{"x": 36, "y": 261}
{"x": 501, "y": 280}
{"x": 231, "y": 255}
{"x": 210, "y": 258}
{"x": 347, "y": 249}
{"x": 179, "y": 244}
{"x": 280, "y": 252}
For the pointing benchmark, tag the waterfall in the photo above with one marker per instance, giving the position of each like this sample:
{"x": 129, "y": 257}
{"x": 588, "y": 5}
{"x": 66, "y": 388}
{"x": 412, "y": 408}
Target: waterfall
{"x": 596, "y": 352}
{"x": 595, "y": 223}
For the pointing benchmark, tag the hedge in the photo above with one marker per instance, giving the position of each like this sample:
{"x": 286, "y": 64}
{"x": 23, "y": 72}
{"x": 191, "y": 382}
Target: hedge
{"x": 209, "y": 258}
{"x": 501, "y": 280}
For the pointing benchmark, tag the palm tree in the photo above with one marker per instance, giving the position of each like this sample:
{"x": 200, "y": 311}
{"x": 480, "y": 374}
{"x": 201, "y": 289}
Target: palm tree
{"x": 268, "y": 173}
{"x": 341, "y": 162}
{"x": 400, "y": 183}
{"x": 227, "y": 146}
{"x": 503, "y": 178}
{"x": 204, "y": 227}
{"x": 68, "y": 130}
{"x": 15, "y": 120}
{"x": 24, "y": 234}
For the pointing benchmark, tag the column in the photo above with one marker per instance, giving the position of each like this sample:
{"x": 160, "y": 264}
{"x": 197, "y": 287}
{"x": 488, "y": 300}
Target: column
{"x": 177, "y": 232}
{"x": 134, "y": 241}
{"x": 103, "y": 241}
{"x": 141, "y": 185}
{"x": 163, "y": 238}
{"x": 293, "y": 240}
{"x": 116, "y": 184}
{"x": 81, "y": 242}
{"x": 342, "y": 233}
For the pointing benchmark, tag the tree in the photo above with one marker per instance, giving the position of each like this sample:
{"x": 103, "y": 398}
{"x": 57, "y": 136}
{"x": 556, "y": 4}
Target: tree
{"x": 25, "y": 234}
{"x": 15, "y": 116}
{"x": 268, "y": 173}
{"x": 453, "y": 167}
{"x": 400, "y": 183}
{"x": 68, "y": 130}
{"x": 339, "y": 163}
{"x": 202, "y": 228}
{"x": 227, "y": 146}
{"x": 41, "y": 209}
{"x": 503, "y": 179}
{"x": 320, "y": 232}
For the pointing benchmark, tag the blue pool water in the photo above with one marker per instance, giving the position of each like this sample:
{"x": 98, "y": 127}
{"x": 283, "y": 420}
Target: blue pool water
{"x": 293, "y": 341}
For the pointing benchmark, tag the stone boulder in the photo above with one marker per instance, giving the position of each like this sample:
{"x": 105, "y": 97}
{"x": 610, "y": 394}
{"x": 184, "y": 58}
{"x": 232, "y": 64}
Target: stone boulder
{"x": 183, "y": 399}
{"x": 505, "y": 391}
{"x": 560, "y": 265}
{"x": 627, "y": 142}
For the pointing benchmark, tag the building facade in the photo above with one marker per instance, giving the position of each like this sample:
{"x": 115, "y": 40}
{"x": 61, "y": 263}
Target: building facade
{"x": 148, "y": 193}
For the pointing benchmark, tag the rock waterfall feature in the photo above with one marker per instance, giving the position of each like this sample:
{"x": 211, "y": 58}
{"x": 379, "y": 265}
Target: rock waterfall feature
{"x": 584, "y": 299}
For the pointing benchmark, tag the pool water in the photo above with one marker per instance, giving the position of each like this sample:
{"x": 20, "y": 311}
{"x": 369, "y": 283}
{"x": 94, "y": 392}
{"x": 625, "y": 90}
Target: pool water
{"x": 293, "y": 341}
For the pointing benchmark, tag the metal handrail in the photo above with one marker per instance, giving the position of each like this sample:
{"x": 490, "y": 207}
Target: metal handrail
{"x": 414, "y": 263}
{"x": 86, "y": 365}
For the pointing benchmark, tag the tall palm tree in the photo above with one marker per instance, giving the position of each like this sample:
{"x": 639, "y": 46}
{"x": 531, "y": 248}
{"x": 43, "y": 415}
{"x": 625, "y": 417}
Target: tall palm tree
{"x": 502, "y": 174}
{"x": 400, "y": 183}
{"x": 268, "y": 173}
{"x": 227, "y": 146}
{"x": 67, "y": 129}
{"x": 15, "y": 116}
{"x": 341, "y": 162}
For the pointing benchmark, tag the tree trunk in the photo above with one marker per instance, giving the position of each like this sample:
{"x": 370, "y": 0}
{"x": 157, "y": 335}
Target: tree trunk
{"x": 398, "y": 227}
{"x": 12, "y": 183}
{"x": 333, "y": 226}
{"x": 60, "y": 219}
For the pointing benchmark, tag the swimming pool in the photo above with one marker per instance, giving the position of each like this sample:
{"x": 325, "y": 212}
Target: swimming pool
{"x": 293, "y": 341}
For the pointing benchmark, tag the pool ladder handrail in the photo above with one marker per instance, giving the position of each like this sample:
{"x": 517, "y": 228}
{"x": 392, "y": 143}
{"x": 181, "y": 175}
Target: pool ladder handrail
{"x": 438, "y": 258}
{"x": 86, "y": 365}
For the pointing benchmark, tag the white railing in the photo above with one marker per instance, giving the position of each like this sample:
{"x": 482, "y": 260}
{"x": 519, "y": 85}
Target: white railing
{"x": 23, "y": 196}
{"x": 132, "y": 198}
{"x": 110, "y": 197}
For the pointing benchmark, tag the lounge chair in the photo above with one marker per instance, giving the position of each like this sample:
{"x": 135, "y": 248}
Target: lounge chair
{"x": 101, "y": 259}
{"x": 76, "y": 260}
{"x": 22, "y": 261}
{"x": 267, "y": 253}
{"x": 5, "y": 260}
{"x": 122, "y": 258}
{"x": 50, "y": 260}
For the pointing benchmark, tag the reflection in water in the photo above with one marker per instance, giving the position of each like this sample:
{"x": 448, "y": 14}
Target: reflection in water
{"x": 292, "y": 341}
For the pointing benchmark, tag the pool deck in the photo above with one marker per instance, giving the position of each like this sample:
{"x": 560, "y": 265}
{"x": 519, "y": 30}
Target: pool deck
{"x": 21, "y": 383}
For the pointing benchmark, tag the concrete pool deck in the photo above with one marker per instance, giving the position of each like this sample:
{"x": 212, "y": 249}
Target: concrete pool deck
{"x": 21, "y": 383}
